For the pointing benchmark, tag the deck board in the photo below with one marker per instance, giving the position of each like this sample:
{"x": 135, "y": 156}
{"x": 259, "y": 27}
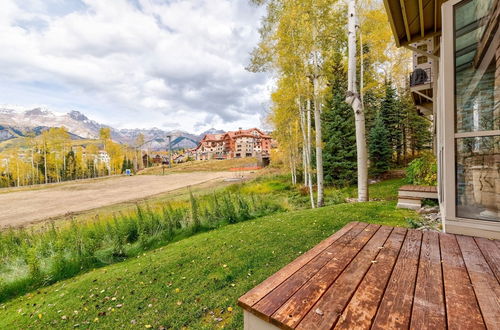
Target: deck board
{"x": 362, "y": 308}
{"x": 491, "y": 253}
{"x": 462, "y": 309}
{"x": 428, "y": 304}
{"x": 333, "y": 302}
{"x": 301, "y": 302}
{"x": 370, "y": 276}
{"x": 395, "y": 308}
{"x": 483, "y": 281}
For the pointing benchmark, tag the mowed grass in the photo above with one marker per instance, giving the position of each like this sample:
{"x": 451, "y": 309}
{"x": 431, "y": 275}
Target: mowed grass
{"x": 193, "y": 283}
{"x": 203, "y": 165}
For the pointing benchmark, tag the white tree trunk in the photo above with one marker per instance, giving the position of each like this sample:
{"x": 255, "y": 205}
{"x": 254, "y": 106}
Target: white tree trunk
{"x": 304, "y": 140}
{"x": 354, "y": 101}
{"x": 319, "y": 142}
{"x": 309, "y": 155}
{"x": 45, "y": 162}
{"x": 305, "y": 125}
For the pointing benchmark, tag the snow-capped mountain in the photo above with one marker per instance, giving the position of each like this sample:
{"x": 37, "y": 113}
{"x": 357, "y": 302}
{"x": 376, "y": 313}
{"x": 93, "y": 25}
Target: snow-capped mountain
{"x": 16, "y": 122}
{"x": 76, "y": 122}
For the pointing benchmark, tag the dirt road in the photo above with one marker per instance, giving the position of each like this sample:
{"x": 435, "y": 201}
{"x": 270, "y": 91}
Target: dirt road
{"x": 28, "y": 206}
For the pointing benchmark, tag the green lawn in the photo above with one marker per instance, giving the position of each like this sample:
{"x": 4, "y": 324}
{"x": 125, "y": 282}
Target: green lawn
{"x": 193, "y": 283}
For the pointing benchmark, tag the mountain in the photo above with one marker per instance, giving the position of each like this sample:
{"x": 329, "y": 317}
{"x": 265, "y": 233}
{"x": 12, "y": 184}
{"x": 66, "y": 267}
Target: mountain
{"x": 16, "y": 123}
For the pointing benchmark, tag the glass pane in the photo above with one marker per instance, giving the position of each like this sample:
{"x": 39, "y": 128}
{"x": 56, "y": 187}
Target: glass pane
{"x": 474, "y": 87}
{"x": 478, "y": 178}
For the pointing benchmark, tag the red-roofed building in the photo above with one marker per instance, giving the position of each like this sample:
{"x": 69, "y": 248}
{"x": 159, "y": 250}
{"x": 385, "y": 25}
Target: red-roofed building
{"x": 235, "y": 144}
{"x": 247, "y": 143}
{"x": 211, "y": 147}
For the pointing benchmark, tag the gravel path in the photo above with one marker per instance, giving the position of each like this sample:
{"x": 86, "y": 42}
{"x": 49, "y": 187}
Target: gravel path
{"x": 27, "y": 206}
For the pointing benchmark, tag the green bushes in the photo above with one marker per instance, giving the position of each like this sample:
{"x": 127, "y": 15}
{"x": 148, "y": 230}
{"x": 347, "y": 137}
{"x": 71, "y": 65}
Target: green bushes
{"x": 422, "y": 170}
{"x": 29, "y": 259}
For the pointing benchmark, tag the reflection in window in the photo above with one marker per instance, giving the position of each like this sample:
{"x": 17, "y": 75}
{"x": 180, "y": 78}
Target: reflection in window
{"x": 478, "y": 178}
{"x": 474, "y": 85}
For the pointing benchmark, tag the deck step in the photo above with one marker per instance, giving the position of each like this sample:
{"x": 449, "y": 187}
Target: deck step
{"x": 411, "y": 196}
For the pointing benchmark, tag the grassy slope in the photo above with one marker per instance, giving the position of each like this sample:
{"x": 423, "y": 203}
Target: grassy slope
{"x": 203, "y": 165}
{"x": 182, "y": 284}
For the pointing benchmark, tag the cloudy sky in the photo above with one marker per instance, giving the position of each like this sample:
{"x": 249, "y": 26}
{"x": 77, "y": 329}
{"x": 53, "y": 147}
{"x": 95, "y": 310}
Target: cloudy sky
{"x": 172, "y": 64}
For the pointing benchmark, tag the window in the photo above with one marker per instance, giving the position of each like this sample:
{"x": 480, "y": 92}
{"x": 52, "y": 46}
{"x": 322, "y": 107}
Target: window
{"x": 422, "y": 47}
{"x": 422, "y": 59}
{"x": 477, "y": 117}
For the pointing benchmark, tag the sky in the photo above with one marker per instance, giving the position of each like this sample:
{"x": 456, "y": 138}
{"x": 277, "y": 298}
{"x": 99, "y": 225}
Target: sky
{"x": 170, "y": 64}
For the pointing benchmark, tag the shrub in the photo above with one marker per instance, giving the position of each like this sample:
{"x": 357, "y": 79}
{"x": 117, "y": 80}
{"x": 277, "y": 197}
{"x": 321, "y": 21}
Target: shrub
{"x": 422, "y": 170}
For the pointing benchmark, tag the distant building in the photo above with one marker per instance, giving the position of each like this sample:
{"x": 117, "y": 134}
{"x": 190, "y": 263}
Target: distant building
{"x": 103, "y": 157}
{"x": 234, "y": 144}
{"x": 211, "y": 147}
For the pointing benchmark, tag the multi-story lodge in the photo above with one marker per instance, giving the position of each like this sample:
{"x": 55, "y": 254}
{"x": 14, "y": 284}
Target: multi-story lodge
{"x": 235, "y": 144}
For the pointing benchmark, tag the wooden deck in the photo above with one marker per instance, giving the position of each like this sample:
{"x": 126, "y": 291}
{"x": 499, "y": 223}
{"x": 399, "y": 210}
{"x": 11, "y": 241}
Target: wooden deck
{"x": 371, "y": 276}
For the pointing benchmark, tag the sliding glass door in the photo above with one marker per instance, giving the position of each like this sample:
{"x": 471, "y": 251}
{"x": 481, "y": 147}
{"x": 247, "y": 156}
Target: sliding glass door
{"x": 476, "y": 113}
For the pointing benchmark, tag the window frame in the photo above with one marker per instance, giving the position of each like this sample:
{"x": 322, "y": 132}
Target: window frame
{"x": 449, "y": 135}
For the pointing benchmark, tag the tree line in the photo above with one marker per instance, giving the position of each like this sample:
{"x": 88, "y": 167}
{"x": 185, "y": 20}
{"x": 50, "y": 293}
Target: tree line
{"x": 341, "y": 109}
{"x": 53, "y": 156}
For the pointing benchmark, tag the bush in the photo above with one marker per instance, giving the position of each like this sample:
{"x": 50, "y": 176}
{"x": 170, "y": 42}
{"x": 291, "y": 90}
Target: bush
{"x": 422, "y": 170}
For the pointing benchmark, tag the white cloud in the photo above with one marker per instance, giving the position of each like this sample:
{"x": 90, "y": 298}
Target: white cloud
{"x": 177, "y": 62}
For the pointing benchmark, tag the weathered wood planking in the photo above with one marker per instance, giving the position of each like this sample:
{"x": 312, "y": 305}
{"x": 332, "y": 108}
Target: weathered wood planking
{"x": 326, "y": 311}
{"x": 363, "y": 306}
{"x": 428, "y": 303}
{"x": 491, "y": 253}
{"x": 395, "y": 308}
{"x": 462, "y": 310}
{"x": 371, "y": 276}
{"x": 297, "y": 306}
{"x": 483, "y": 280}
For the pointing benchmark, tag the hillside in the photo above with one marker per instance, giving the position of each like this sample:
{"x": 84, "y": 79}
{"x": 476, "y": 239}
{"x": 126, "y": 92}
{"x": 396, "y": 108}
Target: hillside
{"x": 193, "y": 283}
{"x": 234, "y": 164}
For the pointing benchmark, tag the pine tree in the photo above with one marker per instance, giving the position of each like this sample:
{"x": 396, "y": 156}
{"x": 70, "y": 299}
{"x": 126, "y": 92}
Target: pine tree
{"x": 340, "y": 162}
{"x": 391, "y": 117}
{"x": 124, "y": 165}
{"x": 379, "y": 148}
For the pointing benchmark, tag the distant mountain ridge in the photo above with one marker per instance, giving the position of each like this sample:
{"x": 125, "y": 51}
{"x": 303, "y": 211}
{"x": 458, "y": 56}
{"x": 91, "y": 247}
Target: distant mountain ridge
{"x": 18, "y": 123}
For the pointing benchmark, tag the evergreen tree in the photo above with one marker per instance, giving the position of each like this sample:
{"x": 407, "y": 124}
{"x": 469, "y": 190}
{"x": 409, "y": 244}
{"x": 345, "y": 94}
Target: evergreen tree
{"x": 379, "y": 148}
{"x": 391, "y": 117}
{"x": 124, "y": 165}
{"x": 418, "y": 128}
{"x": 340, "y": 162}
